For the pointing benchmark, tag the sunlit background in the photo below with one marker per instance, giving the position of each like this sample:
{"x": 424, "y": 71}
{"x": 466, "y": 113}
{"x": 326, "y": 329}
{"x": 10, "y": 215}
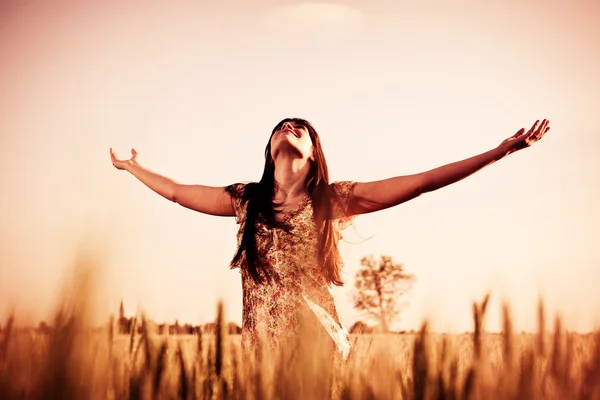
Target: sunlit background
{"x": 392, "y": 87}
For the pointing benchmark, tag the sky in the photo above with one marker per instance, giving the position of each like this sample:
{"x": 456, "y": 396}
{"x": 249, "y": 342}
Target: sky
{"x": 392, "y": 88}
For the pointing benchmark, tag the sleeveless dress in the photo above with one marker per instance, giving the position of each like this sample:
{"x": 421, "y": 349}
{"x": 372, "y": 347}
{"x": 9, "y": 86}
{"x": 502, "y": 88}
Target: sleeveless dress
{"x": 272, "y": 309}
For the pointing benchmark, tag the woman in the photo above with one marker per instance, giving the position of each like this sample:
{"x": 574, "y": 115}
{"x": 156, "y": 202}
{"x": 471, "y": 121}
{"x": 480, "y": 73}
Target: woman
{"x": 290, "y": 223}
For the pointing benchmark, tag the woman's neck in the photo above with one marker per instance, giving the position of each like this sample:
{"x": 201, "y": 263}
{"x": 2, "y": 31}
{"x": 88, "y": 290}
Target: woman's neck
{"x": 290, "y": 178}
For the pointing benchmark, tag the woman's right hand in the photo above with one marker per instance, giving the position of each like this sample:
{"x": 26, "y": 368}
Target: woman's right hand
{"x": 211, "y": 200}
{"x": 123, "y": 164}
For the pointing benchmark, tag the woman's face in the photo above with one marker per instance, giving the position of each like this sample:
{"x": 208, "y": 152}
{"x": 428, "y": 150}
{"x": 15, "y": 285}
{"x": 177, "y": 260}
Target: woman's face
{"x": 292, "y": 138}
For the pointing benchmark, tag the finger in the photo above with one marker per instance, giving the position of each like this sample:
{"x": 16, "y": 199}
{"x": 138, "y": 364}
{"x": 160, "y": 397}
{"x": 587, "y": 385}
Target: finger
{"x": 545, "y": 130}
{"x": 534, "y": 126}
{"x": 113, "y": 156}
{"x": 519, "y": 133}
{"x": 542, "y": 125}
{"x": 133, "y": 152}
{"x": 541, "y": 130}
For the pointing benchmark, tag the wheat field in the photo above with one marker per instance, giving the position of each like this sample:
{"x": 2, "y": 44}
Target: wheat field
{"x": 74, "y": 361}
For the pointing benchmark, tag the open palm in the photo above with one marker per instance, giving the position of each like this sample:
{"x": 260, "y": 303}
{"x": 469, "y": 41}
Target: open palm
{"x": 122, "y": 164}
{"x": 522, "y": 139}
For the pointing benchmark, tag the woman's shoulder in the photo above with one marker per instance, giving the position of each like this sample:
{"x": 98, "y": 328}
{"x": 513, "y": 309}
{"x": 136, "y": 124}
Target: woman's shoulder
{"x": 343, "y": 189}
{"x": 239, "y": 198}
{"x": 236, "y": 189}
{"x": 240, "y": 189}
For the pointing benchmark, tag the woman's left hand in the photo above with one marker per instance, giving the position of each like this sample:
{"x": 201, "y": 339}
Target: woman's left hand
{"x": 522, "y": 139}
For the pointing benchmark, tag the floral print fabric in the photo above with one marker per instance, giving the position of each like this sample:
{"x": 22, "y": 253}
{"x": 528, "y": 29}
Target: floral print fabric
{"x": 272, "y": 310}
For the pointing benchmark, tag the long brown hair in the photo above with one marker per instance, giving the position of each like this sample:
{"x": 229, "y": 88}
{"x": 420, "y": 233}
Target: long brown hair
{"x": 260, "y": 206}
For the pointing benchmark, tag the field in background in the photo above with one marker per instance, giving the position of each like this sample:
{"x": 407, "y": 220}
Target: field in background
{"x": 76, "y": 363}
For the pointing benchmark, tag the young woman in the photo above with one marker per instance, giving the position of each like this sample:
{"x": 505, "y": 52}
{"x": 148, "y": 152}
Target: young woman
{"x": 290, "y": 223}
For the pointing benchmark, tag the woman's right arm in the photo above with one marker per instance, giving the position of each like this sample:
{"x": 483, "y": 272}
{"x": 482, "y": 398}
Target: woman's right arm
{"x": 210, "y": 200}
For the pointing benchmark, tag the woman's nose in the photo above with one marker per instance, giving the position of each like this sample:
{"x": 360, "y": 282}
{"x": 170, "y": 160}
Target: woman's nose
{"x": 286, "y": 125}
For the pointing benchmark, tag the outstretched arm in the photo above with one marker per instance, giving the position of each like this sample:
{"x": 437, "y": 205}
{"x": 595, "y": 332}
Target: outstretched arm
{"x": 205, "y": 199}
{"x": 378, "y": 195}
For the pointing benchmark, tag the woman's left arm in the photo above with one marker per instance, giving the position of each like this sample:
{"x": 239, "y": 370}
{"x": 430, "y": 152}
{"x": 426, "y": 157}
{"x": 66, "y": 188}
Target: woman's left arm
{"x": 378, "y": 195}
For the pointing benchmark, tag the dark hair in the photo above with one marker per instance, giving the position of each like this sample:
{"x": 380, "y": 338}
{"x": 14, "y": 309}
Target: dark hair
{"x": 260, "y": 206}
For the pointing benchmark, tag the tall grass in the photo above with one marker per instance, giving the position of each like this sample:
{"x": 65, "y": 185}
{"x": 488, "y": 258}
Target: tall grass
{"x": 75, "y": 362}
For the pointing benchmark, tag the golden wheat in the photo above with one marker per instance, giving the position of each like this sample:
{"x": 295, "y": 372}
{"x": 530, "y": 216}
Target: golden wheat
{"x": 74, "y": 362}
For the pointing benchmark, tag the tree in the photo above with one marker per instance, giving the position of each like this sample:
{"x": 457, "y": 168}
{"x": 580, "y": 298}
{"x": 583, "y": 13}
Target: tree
{"x": 378, "y": 288}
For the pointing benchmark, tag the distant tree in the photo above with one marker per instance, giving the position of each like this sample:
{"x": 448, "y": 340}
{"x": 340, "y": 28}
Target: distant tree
{"x": 378, "y": 288}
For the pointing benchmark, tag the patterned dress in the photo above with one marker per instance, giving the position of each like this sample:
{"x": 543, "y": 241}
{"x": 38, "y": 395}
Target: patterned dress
{"x": 272, "y": 310}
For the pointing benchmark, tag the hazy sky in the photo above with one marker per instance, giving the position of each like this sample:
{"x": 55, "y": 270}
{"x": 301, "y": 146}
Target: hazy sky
{"x": 392, "y": 87}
